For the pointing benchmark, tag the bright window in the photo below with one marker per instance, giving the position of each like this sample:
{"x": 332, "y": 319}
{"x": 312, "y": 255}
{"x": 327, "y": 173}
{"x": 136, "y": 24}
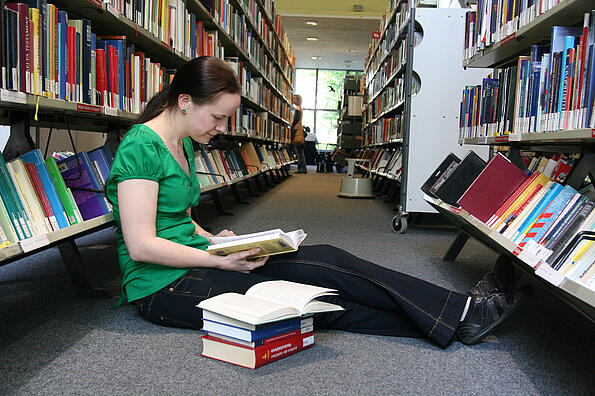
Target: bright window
{"x": 321, "y": 93}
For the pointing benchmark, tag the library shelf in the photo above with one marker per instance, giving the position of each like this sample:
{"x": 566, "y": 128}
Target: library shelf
{"x": 575, "y": 294}
{"x": 539, "y": 30}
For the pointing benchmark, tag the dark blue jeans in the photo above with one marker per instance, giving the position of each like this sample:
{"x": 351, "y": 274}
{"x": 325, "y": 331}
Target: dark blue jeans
{"x": 377, "y": 300}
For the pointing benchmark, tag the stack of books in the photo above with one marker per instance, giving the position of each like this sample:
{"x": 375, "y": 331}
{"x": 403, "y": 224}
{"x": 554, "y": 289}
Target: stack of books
{"x": 271, "y": 321}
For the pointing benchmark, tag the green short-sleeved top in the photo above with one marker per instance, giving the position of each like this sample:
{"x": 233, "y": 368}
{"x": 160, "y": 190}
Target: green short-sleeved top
{"x": 143, "y": 155}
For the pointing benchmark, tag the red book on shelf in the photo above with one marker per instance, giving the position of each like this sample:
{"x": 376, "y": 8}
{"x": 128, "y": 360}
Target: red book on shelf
{"x": 100, "y": 76}
{"x": 127, "y": 80}
{"x": 71, "y": 62}
{"x": 112, "y": 63}
{"x": 231, "y": 352}
{"x": 43, "y": 198}
{"x": 494, "y": 218}
{"x": 141, "y": 63}
{"x": 496, "y": 182}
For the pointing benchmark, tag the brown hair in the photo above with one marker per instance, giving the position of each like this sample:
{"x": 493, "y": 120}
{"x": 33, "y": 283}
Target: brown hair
{"x": 203, "y": 78}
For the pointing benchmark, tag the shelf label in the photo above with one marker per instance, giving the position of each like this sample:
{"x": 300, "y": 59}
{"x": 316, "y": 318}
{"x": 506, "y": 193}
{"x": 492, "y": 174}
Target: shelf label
{"x": 35, "y": 242}
{"x": 454, "y": 209}
{"x": 482, "y": 140}
{"x": 593, "y": 132}
{"x": 549, "y": 274}
{"x": 508, "y": 38}
{"x": 88, "y": 108}
{"x": 98, "y": 3}
{"x": 503, "y": 138}
{"x": 110, "y": 111}
{"x": 168, "y": 47}
{"x": 13, "y": 96}
{"x": 514, "y": 137}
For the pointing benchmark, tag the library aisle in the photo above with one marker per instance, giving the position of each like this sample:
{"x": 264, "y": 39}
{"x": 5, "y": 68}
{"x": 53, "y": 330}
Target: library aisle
{"x": 57, "y": 343}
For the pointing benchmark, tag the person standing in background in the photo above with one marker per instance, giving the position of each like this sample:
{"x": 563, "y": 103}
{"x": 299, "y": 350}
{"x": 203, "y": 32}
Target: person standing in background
{"x": 297, "y": 121}
{"x": 310, "y": 142}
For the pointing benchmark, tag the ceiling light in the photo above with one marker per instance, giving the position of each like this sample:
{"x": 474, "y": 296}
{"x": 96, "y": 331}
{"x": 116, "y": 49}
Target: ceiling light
{"x": 316, "y": 57}
{"x": 352, "y": 50}
{"x": 311, "y": 23}
{"x": 349, "y": 61}
{"x": 312, "y": 38}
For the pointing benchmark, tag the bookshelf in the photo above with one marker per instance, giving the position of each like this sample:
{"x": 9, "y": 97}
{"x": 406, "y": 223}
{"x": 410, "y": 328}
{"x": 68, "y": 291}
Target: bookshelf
{"x": 412, "y": 74}
{"x": 349, "y": 131}
{"x": 248, "y": 34}
{"x": 507, "y": 41}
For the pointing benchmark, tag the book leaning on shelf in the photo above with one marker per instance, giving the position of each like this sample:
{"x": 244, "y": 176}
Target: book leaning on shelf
{"x": 270, "y": 321}
{"x": 269, "y": 242}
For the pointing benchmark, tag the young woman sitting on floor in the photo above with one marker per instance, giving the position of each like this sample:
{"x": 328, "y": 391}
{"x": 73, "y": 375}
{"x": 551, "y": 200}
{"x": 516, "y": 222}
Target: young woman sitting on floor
{"x": 166, "y": 270}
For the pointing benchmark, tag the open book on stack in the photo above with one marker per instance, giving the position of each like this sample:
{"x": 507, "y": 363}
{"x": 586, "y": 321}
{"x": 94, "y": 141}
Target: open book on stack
{"x": 269, "y": 242}
{"x": 272, "y": 320}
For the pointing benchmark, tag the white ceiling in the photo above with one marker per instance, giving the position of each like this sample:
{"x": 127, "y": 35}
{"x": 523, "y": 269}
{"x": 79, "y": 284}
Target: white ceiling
{"x": 335, "y": 35}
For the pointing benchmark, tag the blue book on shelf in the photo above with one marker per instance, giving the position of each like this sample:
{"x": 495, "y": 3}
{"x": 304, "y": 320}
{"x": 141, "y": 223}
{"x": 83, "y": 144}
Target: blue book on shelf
{"x": 11, "y": 206}
{"x": 568, "y": 45}
{"x": 590, "y": 86}
{"x": 86, "y": 61}
{"x": 62, "y": 52}
{"x": 80, "y": 176}
{"x": 209, "y": 165}
{"x": 35, "y": 157}
{"x": 545, "y": 201}
{"x": 549, "y": 215}
{"x": 102, "y": 158}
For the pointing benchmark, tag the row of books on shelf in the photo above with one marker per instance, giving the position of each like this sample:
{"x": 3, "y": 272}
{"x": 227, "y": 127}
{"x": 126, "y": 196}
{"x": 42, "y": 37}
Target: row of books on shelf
{"x": 384, "y": 131}
{"x": 47, "y": 53}
{"x": 381, "y": 45}
{"x": 497, "y": 21}
{"x": 234, "y": 24}
{"x": 174, "y": 25}
{"x": 51, "y": 54}
{"x": 532, "y": 210}
{"x": 552, "y": 89}
{"x": 392, "y": 96}
{"x": 220, "y": 166}
{"x": 272, "y": 320}
{"x": 41, "y": 196}
{"x": 392, "y": 65}
{"x": 247, "y": 122}
{"x": 256, "y": 90}
{"x": 384, "y": 162}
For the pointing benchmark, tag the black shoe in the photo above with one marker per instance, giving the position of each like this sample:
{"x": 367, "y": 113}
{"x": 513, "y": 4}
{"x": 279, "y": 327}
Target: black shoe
{"x": 502, "y": 279}
{"x": 487, "y": 312}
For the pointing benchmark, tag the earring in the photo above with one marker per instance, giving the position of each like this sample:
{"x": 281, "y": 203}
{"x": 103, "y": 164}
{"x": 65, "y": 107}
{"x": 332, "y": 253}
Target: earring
{"x": 184, "y": 110}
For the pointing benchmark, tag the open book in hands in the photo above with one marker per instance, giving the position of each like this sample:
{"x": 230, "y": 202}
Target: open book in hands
{"x": 269, "y": 302}
{"x": 269, "y": 242}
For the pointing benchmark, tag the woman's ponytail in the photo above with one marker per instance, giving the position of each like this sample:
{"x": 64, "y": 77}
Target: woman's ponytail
{"x": 157, "y": 105}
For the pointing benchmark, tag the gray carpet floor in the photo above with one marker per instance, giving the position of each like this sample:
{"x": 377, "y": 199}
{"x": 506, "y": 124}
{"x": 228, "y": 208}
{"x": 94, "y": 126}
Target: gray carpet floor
{"x": 52, "y": 342}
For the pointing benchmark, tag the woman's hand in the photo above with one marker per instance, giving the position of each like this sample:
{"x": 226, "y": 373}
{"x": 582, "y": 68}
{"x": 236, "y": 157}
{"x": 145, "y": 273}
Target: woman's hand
{"x": 241, "y": 261}
{"x": 225, "y": 233}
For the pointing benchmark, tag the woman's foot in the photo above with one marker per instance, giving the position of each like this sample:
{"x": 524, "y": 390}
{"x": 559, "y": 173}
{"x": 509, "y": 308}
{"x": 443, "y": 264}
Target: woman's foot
{"x": 487, "y": 312}
{"x": 501, "y": 279}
